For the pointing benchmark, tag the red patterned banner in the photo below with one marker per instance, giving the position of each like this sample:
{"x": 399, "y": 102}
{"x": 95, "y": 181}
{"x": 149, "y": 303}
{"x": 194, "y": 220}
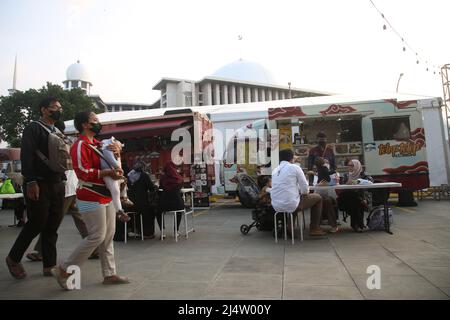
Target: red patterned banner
{"x": 418, "y": 136}
{"x": 277, "y": 113}
{"x": 421, "y": 166}
{"x": 403, "y": 104}
{"x": 337, "y": 108}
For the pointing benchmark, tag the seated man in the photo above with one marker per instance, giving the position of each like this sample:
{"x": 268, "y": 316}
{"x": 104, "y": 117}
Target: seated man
{"x": 290, "y": 191}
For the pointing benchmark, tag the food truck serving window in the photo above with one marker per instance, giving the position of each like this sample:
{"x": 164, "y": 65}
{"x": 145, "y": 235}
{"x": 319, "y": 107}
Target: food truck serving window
{"x": 397, "y": 128}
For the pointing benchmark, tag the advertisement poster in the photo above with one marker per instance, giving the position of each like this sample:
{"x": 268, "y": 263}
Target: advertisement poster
{"x": 285, "y": 138}
{"x": 201, "y": 186}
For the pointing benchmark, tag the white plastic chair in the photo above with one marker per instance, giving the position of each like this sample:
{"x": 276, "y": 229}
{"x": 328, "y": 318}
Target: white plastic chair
{"x": 285, "y": 215}
{"x": 134, "y": 214}
{"x": 184, "y": 213}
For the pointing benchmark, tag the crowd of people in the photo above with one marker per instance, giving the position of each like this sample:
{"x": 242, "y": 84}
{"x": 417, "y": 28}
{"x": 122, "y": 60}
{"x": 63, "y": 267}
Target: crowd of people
{"x": 94, "y": 190}
{"x": 288, "y": 190}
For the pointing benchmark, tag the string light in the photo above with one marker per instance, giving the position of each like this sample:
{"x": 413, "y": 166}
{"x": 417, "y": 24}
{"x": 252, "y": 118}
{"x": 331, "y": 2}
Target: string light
{"x": 405, "y": 43}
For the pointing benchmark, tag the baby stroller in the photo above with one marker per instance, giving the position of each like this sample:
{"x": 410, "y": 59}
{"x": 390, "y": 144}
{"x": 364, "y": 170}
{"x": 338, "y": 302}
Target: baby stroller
{"x": 262, "y": 219}
{"x": 262, "y": 214}
{"x": 247, "y": 190}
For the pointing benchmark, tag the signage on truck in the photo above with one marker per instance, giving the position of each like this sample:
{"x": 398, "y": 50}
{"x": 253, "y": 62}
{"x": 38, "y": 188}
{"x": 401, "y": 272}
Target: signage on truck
{"x": 404, "y": 149}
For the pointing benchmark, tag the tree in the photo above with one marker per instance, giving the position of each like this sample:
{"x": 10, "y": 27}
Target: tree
{"x": 20, "y": 108}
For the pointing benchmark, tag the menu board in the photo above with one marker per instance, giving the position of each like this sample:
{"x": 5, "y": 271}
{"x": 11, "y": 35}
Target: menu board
{"x": 199, "y": 178}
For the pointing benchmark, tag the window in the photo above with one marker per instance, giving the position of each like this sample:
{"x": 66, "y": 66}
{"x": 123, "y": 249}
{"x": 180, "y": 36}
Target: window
{"x": 74, "y": 84}
{"x": 188, "y": 99}
{"x": 391, "y": 129}
{"x": 350, "y": 130}
{"x": 84, "y": 85}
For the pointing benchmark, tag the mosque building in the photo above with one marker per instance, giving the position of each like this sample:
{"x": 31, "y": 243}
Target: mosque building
{"x": 238, "y": 82}
{"x": 77, "y": 76}
{"x": 241, "y": 81}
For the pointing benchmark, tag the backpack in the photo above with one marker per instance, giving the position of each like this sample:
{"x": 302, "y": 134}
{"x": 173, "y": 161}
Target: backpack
{"x": 375, "y": 220}
{"x": 59, "y": 159}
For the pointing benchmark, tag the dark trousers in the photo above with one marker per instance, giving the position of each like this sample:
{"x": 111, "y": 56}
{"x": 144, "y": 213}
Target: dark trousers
{"x": 148, "y": 220}
{"x": 350, "y": 202}
{"x": 44, "y": 217}
{"x": 69, "y": 207}
{"x": 159, "y": 219}
{"x": 19, "y": 209}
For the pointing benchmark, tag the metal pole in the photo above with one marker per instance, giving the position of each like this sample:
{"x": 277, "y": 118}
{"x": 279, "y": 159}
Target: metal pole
{"x": 398, "y": 82}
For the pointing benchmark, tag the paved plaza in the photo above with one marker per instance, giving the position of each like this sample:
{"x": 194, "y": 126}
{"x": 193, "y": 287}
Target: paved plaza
{"x": 218, "y": 262}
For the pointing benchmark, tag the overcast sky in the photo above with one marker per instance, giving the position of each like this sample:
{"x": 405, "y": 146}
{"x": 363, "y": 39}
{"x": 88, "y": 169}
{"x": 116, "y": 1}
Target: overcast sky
{"x": 327, "y": 45}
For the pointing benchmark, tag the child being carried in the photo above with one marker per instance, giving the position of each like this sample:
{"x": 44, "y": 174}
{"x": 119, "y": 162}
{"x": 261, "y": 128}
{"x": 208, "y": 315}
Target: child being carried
{"x": 110, "y": 161}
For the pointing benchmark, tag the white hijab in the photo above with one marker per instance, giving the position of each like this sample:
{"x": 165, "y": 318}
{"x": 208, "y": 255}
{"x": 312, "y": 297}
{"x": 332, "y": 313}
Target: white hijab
{"x": 357, "y": 169}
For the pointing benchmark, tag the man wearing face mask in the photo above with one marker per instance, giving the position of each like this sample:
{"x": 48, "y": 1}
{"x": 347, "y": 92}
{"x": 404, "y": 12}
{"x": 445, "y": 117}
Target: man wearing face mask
{"x": 322, "y": 150}
{"x": 43, "y": 190}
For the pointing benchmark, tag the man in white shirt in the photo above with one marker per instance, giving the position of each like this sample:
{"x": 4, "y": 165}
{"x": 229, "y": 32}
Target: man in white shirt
{"x": 290, "y": 191}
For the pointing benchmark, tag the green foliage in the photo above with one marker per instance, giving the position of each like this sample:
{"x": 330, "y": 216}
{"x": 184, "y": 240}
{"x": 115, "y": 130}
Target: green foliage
{"x": 20, "y": 108}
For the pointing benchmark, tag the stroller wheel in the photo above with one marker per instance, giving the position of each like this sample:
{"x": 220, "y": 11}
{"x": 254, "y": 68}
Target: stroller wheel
{"x": 245, "y": 229}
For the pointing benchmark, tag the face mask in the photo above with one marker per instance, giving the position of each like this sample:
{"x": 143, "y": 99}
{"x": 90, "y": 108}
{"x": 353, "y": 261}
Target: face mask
{"x": 96, "y": 127}
{"x": 55, "y": 115}
{"x": 322, "y": 143}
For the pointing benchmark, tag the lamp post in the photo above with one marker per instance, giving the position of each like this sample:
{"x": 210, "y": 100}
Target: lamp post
{"x": 398, "y": 82}
{"x": 290, "y": 95}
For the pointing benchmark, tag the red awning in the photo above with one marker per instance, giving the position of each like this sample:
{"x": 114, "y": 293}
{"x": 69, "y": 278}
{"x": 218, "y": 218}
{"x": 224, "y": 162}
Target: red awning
{"x": 146, "y": 128}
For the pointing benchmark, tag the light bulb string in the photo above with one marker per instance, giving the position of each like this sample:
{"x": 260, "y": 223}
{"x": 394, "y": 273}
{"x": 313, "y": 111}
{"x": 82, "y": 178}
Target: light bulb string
{"x": 403, "y": 39}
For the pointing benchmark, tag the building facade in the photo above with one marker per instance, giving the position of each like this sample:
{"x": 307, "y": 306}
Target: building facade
{"x": 238, "y": 82}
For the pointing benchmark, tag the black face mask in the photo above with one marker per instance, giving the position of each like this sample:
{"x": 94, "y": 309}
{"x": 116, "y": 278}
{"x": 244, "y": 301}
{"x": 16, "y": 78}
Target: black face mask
{"x": 96, "y": 127}
{"x": 55, "y": 115}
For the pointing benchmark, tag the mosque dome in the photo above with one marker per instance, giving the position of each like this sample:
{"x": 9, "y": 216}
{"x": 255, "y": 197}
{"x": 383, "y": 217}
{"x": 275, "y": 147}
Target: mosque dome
{"x": 245, "y": 71}
{"x": 78, "y": 71}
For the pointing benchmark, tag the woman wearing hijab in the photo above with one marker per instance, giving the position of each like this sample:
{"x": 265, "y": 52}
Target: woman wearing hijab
{"x": 171, "y": 183}
{"x": 140, "y": 186}
{"x": 352, "y": 201}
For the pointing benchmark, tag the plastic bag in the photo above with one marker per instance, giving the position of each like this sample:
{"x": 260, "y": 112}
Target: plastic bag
{"x": 362, "y": 181}
{"x": 7, "y": 187}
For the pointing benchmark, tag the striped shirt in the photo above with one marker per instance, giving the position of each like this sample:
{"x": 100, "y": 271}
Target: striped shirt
{"x": 89, "y": 206}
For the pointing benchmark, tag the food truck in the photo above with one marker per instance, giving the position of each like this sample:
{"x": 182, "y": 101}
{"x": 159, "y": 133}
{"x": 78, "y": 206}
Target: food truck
{"x": 398, "y": 141}
{"x": 146, "y": 136}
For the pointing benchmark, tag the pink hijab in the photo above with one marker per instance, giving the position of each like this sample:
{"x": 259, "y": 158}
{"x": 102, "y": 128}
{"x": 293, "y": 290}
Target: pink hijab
{"x": 357, "y": 169}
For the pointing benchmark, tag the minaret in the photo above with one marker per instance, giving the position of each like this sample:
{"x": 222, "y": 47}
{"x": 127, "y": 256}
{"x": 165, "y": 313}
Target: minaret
{"x": 14, "y": 87}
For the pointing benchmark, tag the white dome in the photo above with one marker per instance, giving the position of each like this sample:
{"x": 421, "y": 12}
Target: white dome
{"x": 245, "y": 71}
{"x": 78, "y": 71}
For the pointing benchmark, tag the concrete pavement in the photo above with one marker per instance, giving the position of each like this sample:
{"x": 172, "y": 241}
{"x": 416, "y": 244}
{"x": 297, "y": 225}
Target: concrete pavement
{"x": 218, "y": 262}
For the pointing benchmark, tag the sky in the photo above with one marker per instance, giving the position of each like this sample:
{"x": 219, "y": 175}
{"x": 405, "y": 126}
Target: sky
{"x": 128, "y": 46}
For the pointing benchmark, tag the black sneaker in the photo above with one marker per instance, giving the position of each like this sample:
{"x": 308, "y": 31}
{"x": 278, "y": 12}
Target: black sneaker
{"x": 21, "y": 223}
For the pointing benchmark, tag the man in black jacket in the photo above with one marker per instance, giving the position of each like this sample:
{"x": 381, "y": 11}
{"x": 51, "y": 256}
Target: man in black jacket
{"x": 43, "y": 192}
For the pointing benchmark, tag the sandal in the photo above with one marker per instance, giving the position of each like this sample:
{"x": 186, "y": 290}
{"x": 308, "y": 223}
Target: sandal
{"x": 16, "y": 269}
{"x": 122, "y": 216}
{"x": 115, "y": 279}
{"x": 34, "y": 256}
